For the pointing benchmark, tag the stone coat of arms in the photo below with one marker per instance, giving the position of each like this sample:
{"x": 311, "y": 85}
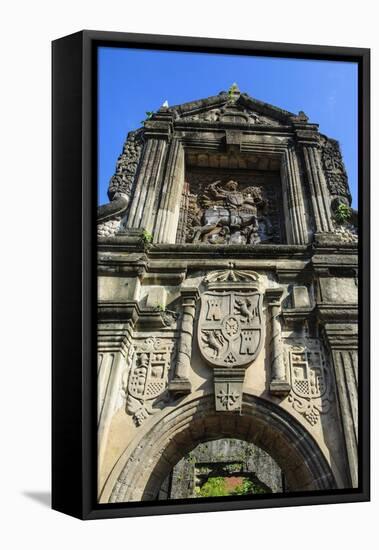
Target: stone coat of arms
{"x": 230, "y": 331}
{"x": 148, "y": 377}
{"x": 310, "y": 381}
{"x": 230, "y": 326}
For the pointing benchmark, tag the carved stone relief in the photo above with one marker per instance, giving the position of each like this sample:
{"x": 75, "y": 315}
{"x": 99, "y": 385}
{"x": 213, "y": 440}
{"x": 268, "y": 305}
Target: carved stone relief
{"x": 230, "y": 327}
{"x": 229, "y": 212}
{"x": 230, "y": 331}
{"x": 121, "y": 182}
{"x": 310, "y": 380}
{"x": 146, "y": 386}
{"x": 108, "y": 228}
{"x": 231, "y": 112}
{"x": 348, "y": 233}
{"x": 334, "y": 169}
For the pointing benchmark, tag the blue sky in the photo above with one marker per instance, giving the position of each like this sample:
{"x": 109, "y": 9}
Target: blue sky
{"x": 133, "y": 81}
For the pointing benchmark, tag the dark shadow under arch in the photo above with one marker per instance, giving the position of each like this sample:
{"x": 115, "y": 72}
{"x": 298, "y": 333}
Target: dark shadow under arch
{"x": 261, "y": 422}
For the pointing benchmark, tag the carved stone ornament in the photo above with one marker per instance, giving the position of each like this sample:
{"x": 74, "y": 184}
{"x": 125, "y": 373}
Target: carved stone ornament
{"x": 126, "y": 168}
{"x": 334, "y": 169}
{"x": 310, "y": 380}
{"x": 111, "y": 216}
{"x": 231, "y": 111}
{"x": 148, "y": 378}
{"x": 228, "y": 214}
{"x": 230, "y": 331}
{"x": 228, "y": 389}
{"x": 230, "y": 327}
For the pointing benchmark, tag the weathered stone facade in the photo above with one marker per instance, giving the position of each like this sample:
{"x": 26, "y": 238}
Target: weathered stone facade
{"x": 227, "y": 297}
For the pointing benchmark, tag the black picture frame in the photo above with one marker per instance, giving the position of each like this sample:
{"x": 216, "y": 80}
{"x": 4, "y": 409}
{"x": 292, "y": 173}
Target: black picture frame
{"x": 74, "y": 173}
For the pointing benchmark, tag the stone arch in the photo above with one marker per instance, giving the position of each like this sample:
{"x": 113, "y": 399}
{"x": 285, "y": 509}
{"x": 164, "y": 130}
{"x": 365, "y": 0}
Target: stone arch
{"x": 140, "y": 471}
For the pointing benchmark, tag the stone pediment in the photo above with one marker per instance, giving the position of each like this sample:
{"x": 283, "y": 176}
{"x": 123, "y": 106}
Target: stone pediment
{"x": 232, "y": 108}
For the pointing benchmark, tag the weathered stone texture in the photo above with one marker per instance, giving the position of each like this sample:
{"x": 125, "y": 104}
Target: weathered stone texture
{"x": 227, "y": 300}
{"x": 222, "y": 457}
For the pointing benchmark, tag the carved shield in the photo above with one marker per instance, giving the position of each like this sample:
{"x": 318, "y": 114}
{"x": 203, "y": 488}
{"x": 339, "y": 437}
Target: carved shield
{"x": 308, "y": 373}
{"x": 148, "y": 378}
{"x": 230, "y": 327}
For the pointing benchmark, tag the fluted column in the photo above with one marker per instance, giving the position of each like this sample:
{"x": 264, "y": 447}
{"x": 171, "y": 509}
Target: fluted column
{"x": 141, "y": 213}
{"x": 318, "y": 188}
{"x": 181, "y": 382}
{"x": 113, "y": 354}
{"x": 168, "y": 213}
{"x": 297, "y": 226}
{"x": 279, "y": 384}
{"x": 343, "y": 343}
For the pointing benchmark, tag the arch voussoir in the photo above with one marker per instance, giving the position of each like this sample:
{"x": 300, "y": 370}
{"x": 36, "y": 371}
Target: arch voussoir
{"x": 177, "y": 432}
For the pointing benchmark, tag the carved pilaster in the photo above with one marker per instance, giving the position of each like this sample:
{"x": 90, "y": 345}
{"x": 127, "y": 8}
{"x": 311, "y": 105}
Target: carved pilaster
{"x": 318, "y": 188}
{"x": 114, "y": 346}
{"x": 141, "y": 210}
{"x": 180, "y": 383}
{"x": 279, "y": 384}
{"x": 297, "y": 226}
{"x": 343, "y": 343}
{"x": 168, "y": 213}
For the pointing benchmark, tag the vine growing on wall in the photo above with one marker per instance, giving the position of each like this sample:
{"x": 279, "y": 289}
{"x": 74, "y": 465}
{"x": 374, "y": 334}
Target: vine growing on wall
{"x": 342, "y": 213}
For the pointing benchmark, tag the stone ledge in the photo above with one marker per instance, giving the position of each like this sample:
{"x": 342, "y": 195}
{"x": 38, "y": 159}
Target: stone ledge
{"x": 280, "y": 387}
{"x": 180, "y": 386}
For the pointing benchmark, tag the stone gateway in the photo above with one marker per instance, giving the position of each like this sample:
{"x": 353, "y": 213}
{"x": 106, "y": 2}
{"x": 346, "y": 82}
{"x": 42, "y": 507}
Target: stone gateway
{"x": 227, "y": 307}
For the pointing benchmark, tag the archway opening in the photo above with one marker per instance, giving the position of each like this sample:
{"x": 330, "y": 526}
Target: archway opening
{"x": 144, "y": 468}
{"x": 223, "y": 467}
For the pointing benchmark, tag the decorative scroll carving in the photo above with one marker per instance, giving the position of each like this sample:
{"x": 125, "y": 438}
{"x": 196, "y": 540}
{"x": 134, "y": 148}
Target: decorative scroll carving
{"x": 229, "y": 213}
{"x": 110, "y": 216}
{"x": 121, "y": 183}
{"x": 310, "y": 380}
{"x": 148, "y": 378}
{"x": 230, "y": 112}
{"x": 109, "y": 227}
{"x": 334, "y": 169}
{"x": 348, "y": 233}
{"x": 231, "y": 274}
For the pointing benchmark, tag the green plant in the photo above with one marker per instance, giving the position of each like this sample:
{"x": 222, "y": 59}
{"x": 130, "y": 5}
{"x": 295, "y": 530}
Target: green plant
{"x": 248, "y": 487}
{"x": 219, "y": 487}
{"x": 149, "y": 114}
{"x": 233, "y": 88}
{"x": 213, "y": 487}
{"x": 160, "y": 307}
{"x": 146, "y": 236}
{"x": 342, "y": 213}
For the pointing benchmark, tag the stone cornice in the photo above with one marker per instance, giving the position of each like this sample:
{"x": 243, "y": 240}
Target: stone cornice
{"x": 170, "y": 264}
{"x": 333, "y": 312}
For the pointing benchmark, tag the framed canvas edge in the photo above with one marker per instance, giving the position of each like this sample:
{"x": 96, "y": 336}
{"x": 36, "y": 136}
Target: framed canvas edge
{"x": 83, "y": 446}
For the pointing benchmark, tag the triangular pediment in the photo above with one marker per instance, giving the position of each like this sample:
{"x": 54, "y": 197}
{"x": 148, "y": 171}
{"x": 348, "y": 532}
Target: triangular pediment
{"x": 240, "y": 109}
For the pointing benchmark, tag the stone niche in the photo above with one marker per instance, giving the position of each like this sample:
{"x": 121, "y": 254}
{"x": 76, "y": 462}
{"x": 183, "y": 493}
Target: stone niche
{"x": 231, "y": 198}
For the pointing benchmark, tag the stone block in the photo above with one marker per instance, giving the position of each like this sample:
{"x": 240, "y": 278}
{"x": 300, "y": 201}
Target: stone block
{"x": 157, "y": 298}
{"x": 280, "y": 387}
{"x": 300, "y": 297}
{"x": 342, "y": 290}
